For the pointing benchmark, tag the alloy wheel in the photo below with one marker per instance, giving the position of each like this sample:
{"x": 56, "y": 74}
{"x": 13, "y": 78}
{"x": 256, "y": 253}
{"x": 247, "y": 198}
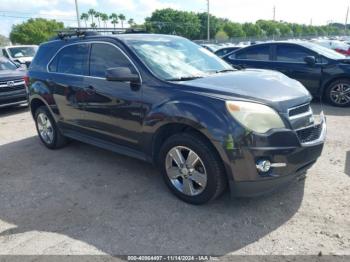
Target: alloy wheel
{"x": 340, "y": 94}
{"x": 45, "y": 128}
{"x": 186, "y": 171}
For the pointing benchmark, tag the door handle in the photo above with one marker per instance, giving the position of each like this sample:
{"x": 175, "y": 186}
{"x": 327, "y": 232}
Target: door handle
{"x": 90, "y": 90}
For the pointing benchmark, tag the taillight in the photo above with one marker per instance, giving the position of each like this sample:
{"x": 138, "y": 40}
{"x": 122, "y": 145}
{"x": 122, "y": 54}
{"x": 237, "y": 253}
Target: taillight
{"x": 26, "y": 82}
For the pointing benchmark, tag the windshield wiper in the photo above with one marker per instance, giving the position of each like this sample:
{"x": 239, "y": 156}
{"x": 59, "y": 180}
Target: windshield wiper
{"x": 184, "y": 78}
{"x": 226, "y": 70}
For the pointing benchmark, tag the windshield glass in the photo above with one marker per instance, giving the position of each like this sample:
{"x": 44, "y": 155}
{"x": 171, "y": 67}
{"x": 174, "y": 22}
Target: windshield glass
{"x": 329, "y": 53}
{"x": 177, "y": 58}
{"x": 27, "y": 51}
{"x": 7, "y": 65}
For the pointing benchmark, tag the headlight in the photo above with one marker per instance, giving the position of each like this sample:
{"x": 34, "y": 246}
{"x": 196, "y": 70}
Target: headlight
{"x": 256, "y": 117}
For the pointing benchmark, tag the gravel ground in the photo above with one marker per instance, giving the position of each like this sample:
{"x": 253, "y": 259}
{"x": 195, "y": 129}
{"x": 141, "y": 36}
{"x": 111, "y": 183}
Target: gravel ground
{"x": 84, "y": 200}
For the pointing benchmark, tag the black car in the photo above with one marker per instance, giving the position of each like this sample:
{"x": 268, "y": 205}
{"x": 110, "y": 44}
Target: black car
{"x": 226, "y": 50}
{"x": 324, "y": 72}
{"x": 12, "y": 85}
{"x": 168, "y": 101}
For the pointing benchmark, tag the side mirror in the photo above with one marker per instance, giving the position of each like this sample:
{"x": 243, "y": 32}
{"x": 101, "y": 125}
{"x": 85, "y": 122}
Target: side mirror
{"x": 121, "y": 74}
{"x": 310, "y": 60}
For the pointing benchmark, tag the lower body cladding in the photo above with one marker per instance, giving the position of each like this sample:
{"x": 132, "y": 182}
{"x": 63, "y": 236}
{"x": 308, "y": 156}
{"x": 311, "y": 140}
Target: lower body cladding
{"x": 13, "y": 98}
{"x": 273, "y": 161}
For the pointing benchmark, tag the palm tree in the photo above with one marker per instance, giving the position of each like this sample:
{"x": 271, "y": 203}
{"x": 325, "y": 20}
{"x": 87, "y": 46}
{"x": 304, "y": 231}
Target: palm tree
{"x": 85, "y": 18}
{"x": 122, "y": 18}
{"x": 98, "y": 16}
{"x": 114, "y": 19}
{"x": 131, "y": 22}
{"x": 92, "y": 13}
{"x": 104, "y": 18}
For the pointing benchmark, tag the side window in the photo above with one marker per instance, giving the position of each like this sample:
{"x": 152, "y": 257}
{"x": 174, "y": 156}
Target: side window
{"x": 72, "y": 59}
{"x": 260, "y": 53}
{"x": 293, "y": 54}
{"x": 104, "y": 56}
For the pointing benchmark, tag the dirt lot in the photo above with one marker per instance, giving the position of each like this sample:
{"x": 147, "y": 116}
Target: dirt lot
{"x": 84, "y": 200}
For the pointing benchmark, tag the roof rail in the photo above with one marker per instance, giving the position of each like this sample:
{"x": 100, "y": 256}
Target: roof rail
{"x": 89, "y": 31}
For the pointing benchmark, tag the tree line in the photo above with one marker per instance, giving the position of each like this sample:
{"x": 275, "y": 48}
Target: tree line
{"x": 170, "y": 21}
{"x": 194, "y": 26}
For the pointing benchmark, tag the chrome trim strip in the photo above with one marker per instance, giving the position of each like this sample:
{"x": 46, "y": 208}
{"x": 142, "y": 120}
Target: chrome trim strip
{"x": 15, "y": 103}
{"x": 91, "y": 42}
{"x": 277, "y": 165}
{"x": 15, "y": 84}
{"x": 308, "y": 113}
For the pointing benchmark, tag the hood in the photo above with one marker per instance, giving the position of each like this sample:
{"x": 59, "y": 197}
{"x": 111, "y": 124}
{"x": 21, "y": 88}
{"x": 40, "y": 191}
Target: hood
{"x": 6, "y": 75}
{"x": 265, "y": 86}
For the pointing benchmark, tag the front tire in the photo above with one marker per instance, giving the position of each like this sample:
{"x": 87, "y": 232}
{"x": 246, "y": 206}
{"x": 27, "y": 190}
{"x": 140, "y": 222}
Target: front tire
{"x": 338, "y": 93}
{"x": 47, "y": 129}
{"x": 192, "y": 169}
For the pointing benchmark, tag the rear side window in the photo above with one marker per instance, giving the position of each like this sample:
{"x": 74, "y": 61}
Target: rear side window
{"x": 104, "y": 56}
{"x": 72, "y": 59}
{"x": 289, "y": 53}
{"x": 260, "y": 53}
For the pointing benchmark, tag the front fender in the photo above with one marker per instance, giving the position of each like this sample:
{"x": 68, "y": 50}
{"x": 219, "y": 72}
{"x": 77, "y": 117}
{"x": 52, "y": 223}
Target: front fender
{"x": 209, "y": 119}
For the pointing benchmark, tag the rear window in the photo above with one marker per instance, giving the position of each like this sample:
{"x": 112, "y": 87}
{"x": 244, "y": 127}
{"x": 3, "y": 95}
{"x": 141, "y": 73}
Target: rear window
{"x": 260, "y": 53}
{"x": 71, "y": 59}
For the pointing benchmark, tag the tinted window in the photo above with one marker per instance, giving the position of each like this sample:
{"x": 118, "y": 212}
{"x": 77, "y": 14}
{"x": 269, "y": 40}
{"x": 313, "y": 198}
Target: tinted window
{"x": 72, "y": 60}
{"x": 288, "y": 53}
{"x": 261, "y": 53}
{"x": 104, "y": 56}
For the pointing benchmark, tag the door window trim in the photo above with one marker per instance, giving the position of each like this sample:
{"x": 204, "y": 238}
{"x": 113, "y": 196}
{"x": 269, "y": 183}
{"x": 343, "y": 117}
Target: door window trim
{"x": 90, "y": 43}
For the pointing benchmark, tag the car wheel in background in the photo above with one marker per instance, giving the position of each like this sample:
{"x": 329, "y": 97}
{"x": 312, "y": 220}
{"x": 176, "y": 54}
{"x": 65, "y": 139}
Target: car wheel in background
{"x": 192, "y": 169}
{"x": 338, "y": 93}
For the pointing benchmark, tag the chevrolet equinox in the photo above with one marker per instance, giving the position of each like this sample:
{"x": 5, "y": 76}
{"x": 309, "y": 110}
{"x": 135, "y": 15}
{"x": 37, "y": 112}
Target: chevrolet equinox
{"x": 168, "y": 101}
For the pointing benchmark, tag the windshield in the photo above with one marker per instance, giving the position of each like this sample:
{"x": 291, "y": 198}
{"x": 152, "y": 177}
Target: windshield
{"x": 7, "y": 65}
{"x": 26, "y": 51}
{"x": 329, "y": 53}
{"x": 177, "y": 58}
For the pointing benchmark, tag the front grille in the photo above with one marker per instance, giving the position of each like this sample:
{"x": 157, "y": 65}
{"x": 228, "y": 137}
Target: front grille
{"x": 11, "y": 85}
{"x": 299, "y": 110}
{"x": 309, "y": 134}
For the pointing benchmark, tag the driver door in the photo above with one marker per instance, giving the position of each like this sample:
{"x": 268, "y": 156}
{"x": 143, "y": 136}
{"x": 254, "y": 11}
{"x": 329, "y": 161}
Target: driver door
{"x": 111, "y": 110}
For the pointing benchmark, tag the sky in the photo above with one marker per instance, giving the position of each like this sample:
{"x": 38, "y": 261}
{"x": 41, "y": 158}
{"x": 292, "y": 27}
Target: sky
{"x": 320, "y": 12}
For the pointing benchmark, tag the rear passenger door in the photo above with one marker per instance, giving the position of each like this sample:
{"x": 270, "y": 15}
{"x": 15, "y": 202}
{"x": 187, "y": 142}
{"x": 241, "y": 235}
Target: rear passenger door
{"x": 290, "y": 60}
{"x": 66, "y": 77}
{"x": 252, "y": 57}
{"x": 111, "y": 110}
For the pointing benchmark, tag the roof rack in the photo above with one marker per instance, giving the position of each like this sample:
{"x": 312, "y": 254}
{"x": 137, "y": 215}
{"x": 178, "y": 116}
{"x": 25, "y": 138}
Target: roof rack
{"x": 90, "y": 31}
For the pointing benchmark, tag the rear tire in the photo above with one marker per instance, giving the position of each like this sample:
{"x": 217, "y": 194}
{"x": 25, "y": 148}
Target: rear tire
{"x": 338, "y": 93}
{"x": 192, "y": 169}
{"x": 47, "y": 129}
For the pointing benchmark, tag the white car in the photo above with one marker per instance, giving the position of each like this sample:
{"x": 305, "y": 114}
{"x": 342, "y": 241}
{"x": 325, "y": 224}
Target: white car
{"x": 336, "y": 45}
{"x": 20, "y": 54}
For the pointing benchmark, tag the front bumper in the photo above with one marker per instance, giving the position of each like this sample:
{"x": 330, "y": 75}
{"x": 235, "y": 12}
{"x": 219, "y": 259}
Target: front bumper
{"x": 277, "y": 147}
{"x": 13, "y": 98}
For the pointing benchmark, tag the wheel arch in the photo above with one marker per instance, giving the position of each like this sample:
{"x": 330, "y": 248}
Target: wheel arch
{"x": 202, "y": 121}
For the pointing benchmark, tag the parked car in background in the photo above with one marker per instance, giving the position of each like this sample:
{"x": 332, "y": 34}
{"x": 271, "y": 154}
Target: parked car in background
{"x": 12, "y": 84}
{"x": 211, "y": 47}
{"x": 221, "y": 52}
{"x": 336, "y": 45}
{"x": 166, "y": 100}
{"x": 21, "y": 54}
{"x": 324, "y": 72}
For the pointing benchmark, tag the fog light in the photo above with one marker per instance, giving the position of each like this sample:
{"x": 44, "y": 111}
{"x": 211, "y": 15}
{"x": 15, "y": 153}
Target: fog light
{"x": 263, "y": 166}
